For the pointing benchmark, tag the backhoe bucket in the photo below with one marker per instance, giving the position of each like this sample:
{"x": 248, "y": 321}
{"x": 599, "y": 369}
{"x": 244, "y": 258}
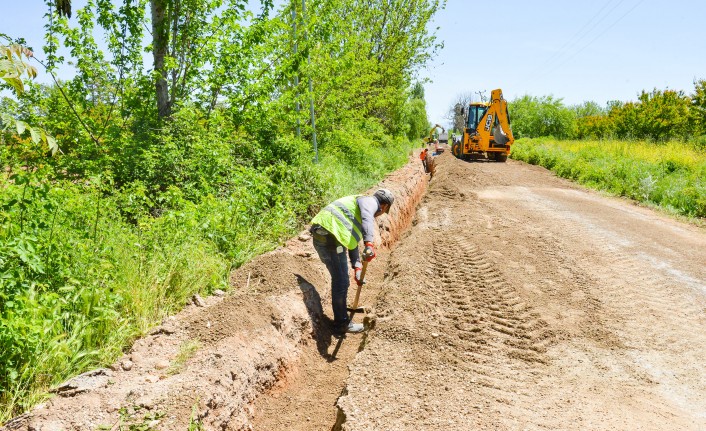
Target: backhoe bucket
{"x": 500, "y": 138}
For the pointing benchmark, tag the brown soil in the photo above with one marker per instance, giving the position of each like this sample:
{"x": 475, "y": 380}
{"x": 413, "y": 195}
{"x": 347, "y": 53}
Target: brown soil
{"x": 516, "y": 300}
{"x": 520, "y": 301}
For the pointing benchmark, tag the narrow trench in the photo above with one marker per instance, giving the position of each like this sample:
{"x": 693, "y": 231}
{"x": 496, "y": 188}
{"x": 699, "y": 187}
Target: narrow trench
{"x": 305, "y": 398}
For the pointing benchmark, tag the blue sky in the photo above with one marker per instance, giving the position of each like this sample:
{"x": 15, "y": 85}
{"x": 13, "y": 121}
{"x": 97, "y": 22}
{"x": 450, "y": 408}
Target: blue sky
{"x": 597, "y": 50}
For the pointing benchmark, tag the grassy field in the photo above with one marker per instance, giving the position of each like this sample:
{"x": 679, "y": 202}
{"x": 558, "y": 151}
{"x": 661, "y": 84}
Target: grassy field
{"x": 671, "y": 176}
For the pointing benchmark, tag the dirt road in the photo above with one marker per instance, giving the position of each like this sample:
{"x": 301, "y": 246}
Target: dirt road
{"x": 521, "y": 301}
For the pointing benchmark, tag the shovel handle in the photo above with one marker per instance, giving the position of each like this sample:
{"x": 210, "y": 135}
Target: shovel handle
{"x": 362, "y": 272}
{"x": 360, "y": 286}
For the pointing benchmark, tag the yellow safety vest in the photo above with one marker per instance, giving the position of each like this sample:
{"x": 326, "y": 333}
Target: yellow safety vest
{"x": 342, "y": 219}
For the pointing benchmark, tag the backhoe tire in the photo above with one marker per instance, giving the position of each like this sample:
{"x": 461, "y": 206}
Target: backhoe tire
{"x": 456, "y": 149}
{"x": 501, "y": 157}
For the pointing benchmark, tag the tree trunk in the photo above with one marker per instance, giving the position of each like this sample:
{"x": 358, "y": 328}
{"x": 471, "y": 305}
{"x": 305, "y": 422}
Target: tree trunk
{"x": 160, "y": 43}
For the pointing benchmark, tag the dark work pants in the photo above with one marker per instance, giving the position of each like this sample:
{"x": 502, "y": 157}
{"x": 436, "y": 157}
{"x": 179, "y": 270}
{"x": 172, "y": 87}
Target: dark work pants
{"x": 336, "y": 260}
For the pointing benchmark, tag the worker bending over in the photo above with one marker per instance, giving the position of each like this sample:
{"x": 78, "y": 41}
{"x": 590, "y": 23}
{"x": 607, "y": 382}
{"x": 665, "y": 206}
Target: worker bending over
{"x": 336, "y": 231}
{"x": 423, "y": 155}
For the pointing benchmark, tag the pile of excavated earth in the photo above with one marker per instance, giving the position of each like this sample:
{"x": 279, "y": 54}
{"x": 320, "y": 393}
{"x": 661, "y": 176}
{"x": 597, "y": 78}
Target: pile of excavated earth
{"x": 504, "y": 298}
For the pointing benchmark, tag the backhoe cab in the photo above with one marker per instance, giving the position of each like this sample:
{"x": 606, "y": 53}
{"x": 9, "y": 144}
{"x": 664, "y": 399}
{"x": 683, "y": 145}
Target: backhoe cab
{"x": 487, "y": 132}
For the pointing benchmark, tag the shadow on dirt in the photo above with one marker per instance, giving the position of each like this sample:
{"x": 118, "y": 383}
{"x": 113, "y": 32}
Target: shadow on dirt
{"x": 321, "y": 324}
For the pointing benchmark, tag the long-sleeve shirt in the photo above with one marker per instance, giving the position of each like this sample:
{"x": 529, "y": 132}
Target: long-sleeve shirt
{"x": 368, "y": 207}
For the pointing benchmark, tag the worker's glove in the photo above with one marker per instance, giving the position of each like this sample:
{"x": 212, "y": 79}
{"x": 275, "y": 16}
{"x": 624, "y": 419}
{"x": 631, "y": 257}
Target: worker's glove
{"x": 368, "y": 252}
{"x": 358, "y": 272}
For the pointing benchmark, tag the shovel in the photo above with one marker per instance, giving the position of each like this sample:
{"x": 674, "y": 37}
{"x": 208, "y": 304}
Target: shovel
{"x": 355, "y": 308}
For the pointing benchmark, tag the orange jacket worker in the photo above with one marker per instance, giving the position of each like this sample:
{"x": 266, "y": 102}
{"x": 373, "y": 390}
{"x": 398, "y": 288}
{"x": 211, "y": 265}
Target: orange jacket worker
{"x": 423, "y": 157}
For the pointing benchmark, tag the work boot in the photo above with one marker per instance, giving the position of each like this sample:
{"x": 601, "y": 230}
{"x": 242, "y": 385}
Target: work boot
{"x": 354, "y": 328}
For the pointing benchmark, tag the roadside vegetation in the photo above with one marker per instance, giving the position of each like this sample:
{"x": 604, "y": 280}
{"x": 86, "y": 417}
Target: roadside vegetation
{"x": 652, "y": 150}
{"x": 163, "y": 179}
{"x": 670, "y": 175}
{"x": 656, "y": 116}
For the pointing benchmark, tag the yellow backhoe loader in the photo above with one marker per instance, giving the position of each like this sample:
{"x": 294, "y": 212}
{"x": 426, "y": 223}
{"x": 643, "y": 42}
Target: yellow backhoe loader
{"x": 431, "y": 133}
{"x": 487, "y": 132}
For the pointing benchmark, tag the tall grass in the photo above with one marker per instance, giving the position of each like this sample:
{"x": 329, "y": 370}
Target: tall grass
{"x": 72, "y": 299}
{"x": 81, "y": 275}
{"x": 671, "y": 176}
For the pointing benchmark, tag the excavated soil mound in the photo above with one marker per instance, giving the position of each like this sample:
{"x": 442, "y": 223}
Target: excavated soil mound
{"x": 209, "y": 364}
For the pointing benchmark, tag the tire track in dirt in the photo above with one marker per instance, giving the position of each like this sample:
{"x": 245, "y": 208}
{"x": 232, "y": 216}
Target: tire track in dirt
{"x": 627, "y": 277}
{"x": 482, "y": 301}
{"x": 459, "y": 322}
{"x": 538, "y": 252}
{"x": 624, "y": 273}
{"x": 486, "y": 321}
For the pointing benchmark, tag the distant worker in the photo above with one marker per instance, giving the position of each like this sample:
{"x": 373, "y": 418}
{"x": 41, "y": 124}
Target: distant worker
{"x": 338, "y": 228}
{"x": 436, "y": 146}
{"x": 423, "y": 155}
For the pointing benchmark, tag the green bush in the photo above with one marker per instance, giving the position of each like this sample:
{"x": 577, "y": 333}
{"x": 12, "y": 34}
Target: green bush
{"x": 658, "y": 115}
{"x": 77, "y": 283}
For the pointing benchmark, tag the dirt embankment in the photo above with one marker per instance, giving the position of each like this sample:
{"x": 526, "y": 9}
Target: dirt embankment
{"x": 210, "y": 363}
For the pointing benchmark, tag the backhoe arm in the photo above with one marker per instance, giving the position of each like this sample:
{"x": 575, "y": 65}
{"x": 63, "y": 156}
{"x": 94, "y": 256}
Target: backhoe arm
{"x": 497, "y": 112}
{"x": 431, "y": 133}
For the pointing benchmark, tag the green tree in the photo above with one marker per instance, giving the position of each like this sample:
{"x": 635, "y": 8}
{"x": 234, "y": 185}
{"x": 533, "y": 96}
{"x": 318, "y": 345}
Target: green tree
{"x": 698, "y": 107}
{"x": 587, "y": 109}
{"x": 541, "y": 116}
{"x": 415, "y": 116}
{"x": 663, "y": 115}
{"x": 363, "y": 56}
{"x": 591, "y": 121}
{"x": 417, "y": 91}
{"x": 657, "y": 115}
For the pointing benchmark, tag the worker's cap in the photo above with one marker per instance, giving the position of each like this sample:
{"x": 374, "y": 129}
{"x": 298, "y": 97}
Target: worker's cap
{"x": 384, "y": 196}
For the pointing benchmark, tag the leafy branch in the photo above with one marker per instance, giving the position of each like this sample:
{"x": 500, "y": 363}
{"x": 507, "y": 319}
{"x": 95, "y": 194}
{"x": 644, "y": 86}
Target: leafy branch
{"x": 13, "y": 68}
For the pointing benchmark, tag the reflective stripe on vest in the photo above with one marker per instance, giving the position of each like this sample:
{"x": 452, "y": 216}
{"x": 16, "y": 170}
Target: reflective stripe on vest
{"x": 342, "y": 219}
